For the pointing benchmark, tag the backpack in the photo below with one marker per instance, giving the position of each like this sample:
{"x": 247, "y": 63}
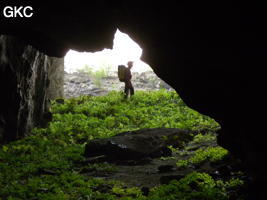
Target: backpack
{"x": 121, "y": 72}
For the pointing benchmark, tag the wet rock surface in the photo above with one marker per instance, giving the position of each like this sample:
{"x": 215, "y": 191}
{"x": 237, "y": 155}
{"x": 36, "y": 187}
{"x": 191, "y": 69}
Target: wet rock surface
{"x": 80, "y": 83}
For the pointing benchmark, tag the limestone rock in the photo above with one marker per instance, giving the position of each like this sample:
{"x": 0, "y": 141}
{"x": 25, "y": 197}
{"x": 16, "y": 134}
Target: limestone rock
{"x": 56, "y": 78}
{"x": 24, "y": 85}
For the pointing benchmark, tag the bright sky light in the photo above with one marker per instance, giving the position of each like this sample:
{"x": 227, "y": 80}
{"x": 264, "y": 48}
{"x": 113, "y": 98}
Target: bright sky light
{"x": 124, "y": 50}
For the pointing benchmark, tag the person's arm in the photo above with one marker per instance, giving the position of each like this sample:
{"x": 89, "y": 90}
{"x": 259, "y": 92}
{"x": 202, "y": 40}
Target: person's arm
{"x": 128, "y": 74}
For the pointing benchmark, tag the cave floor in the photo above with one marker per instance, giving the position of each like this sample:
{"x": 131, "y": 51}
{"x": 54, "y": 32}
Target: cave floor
{"x": 154, "y": 172}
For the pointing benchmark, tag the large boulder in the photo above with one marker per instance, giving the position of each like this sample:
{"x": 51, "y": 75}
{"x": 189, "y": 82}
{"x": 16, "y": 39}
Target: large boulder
{"x": 138, "y": 145}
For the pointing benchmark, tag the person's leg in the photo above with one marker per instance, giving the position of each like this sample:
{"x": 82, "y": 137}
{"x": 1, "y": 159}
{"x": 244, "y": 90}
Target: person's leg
{"x": 131, "y": 88}
{"x": 132, "y": 91}
{"x": 126, "y": 89}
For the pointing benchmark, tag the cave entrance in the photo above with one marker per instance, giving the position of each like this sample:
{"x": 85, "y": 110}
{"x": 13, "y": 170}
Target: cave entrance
{"x": 60, "y": 149}
{"x": 96, "y": 73}
{"x": 167, "y": 140}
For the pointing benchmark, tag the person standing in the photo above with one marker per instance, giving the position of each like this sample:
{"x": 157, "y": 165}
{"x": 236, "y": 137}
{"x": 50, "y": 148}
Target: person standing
{"x": 127, "y": 80}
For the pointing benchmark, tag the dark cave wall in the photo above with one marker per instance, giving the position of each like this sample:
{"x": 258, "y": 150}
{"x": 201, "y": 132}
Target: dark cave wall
{"x": 25, "y": 76}
{"x": 213, "y": 55}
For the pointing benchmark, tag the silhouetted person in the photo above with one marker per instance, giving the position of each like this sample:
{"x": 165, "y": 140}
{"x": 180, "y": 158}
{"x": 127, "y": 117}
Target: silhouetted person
{"x": 128, "y": 77}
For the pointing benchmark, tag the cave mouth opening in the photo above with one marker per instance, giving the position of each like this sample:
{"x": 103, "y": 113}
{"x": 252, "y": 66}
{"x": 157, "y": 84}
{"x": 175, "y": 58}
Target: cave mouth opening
{"x": 124, "y": 50}
{"x": 96, "y": 73}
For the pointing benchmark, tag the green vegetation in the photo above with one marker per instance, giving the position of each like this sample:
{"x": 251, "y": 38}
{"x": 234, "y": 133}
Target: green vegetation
{"x": 200, "y": 138}
{"x": 195, "y": 186}
{"x": 105, "y": 116}
{"x": 212, "y": 154}
{"x": 49, "y": 164}
{"x": 97, "y": 75}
